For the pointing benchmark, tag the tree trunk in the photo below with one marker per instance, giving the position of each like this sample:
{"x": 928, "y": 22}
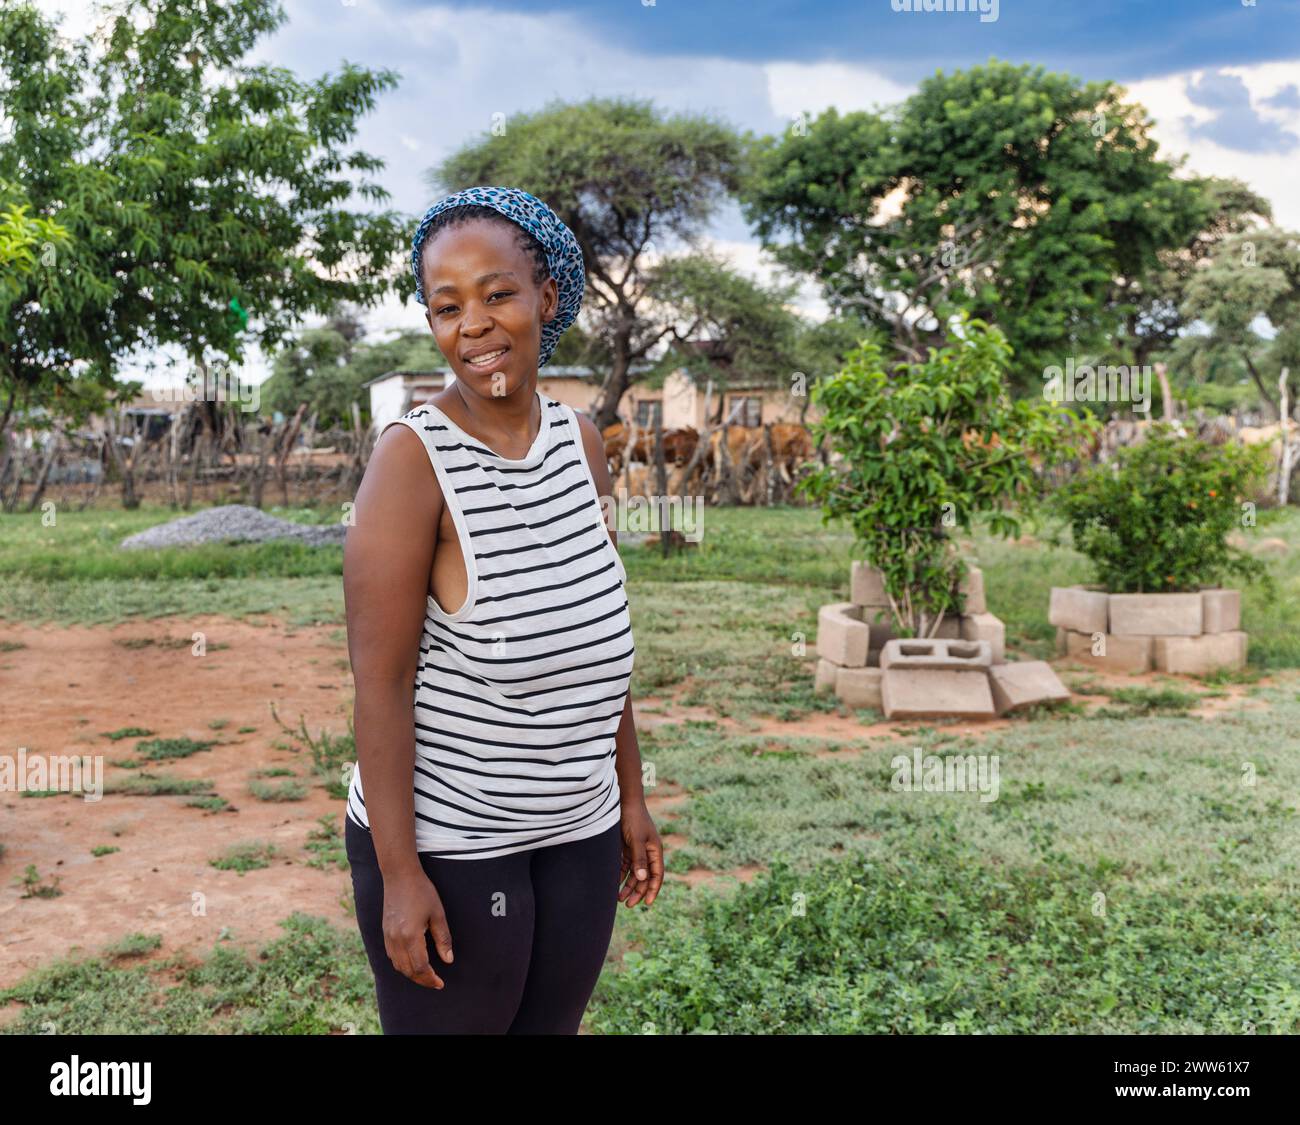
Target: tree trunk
{"x": 1284, "y": 436}
{"x": 661, "y": 488}
{"x": 288, "y": 436}
{"x": 42, "y": 478}
{"x": 612, "y": 394}
{"x": 1259, "y": 384}
{"x": 770, "y": 464}
{"x": 1166, "y": 395}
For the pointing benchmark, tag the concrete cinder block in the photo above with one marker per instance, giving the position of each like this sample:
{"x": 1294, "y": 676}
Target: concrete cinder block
{"x": 1155, "y": 615}
{"x": 1083, "y": 611}
{"x": 1199, "y": 656}
{"x": 824, "y": 679}
{"x": 859, "y": 687}
{"x": 867, "y": 585}
{"x": 1025, "y": 684}
{"x": 915, "y": 693}
{"x": 1062, "y": 646}
{"x": 972, "y": 590}
{"x": 960, "y": 655}
{"x": 986, "y": 627}
{"x": 881, "y": 623}
{"x": 1116, "y": 654}
{"x": 949, "y": 628}
{"x": 1220, "y": 611}
{"x": 842, "y": 637}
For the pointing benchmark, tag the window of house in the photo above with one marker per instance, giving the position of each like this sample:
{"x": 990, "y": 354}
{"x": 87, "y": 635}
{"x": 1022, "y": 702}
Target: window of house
{"x": 649, "y": 412}
{"x": 745, "y": 410}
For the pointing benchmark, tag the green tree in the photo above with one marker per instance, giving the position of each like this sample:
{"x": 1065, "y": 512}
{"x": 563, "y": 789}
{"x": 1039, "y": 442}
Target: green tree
{"x": 1157, "y": 319}
{"x": 923, "y": 449}
{"x": 1254, "y": 276}
{"x": 194, "y": 190}
{"x": 1024, "y": 197}
{"x": 328, "y": 368}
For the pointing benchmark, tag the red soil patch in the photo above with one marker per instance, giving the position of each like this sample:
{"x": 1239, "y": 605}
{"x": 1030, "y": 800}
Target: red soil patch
{"x": 70, "y": 684}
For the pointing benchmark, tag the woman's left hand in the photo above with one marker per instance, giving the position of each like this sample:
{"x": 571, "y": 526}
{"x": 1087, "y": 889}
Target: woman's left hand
{"x": 643, "y": 856}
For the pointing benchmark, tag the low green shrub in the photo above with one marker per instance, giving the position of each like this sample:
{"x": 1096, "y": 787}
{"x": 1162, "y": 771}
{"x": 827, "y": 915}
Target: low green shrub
{"x": 1157, "y": 519}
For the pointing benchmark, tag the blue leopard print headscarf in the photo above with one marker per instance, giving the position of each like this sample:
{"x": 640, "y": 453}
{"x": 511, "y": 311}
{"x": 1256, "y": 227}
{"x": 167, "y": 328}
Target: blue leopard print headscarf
{"x": 563, "y": 254}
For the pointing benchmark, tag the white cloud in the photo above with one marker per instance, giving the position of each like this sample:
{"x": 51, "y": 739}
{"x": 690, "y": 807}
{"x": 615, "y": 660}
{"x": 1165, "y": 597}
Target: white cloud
{"x": 1273, "y": 175}
{"x": 793, "y": 88}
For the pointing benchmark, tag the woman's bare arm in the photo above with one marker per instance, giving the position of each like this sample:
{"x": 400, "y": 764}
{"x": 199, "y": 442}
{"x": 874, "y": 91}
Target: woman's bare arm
{"x": 387, "y": 561}
{"x": 386, "y": 565}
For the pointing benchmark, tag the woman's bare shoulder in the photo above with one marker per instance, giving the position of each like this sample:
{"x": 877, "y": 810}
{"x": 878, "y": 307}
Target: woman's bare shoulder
{"x": 399, "y": 479}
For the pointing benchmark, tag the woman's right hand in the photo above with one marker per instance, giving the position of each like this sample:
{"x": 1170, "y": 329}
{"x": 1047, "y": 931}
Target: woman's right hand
{"x": 412, "y": 907}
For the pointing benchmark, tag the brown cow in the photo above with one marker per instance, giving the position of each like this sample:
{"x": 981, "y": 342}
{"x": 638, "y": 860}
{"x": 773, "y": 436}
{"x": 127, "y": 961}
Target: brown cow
{"x": 679, "y": 445}
{"x": 792, "y": 445}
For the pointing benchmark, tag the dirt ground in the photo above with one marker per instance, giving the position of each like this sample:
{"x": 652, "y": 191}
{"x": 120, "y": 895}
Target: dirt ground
{"x": 68, "y": 685}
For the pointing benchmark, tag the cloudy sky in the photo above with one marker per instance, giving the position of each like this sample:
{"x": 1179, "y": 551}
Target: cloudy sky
{"x": 1220, "y": 77}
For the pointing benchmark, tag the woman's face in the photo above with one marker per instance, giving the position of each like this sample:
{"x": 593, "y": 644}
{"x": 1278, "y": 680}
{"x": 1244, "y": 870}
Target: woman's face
{"x": 480, "y": 296}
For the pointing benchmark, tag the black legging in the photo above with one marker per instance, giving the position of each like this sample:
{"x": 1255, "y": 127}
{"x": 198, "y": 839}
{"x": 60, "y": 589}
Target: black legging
{"x": 530, "y": 932}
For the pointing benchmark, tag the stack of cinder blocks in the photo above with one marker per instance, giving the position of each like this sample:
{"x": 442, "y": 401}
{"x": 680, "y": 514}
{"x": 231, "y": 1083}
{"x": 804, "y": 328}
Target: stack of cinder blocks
{"x": 1192, "y": 634}
{"x": 958, "y": 679}
{"x": 865, "y": 665}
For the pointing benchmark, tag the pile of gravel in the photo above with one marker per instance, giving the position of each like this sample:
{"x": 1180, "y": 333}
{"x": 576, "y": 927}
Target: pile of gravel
{"x": 233, "y": 522}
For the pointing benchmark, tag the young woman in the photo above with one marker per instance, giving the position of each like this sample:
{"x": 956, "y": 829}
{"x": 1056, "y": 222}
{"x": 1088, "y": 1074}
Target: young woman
{"x": 502, "y": 805}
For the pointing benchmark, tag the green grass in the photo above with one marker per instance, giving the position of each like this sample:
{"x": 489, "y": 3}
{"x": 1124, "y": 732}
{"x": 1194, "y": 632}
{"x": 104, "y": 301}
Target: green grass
{"x": 157, "y": 785}
{"x": 326, "y": 845}
{"x": 164, "y": 749}
{"x": 73, "y": 573}
{"x": 314, "y": 980}
{"x": 208, "y": 804}
{"x": 83, "y": 546}
{"x": 937, "y": 940}
{"x": 1137, "y": 873}
{"x": 291, "y": 789}
{"x": 246, "y": 857}
{"x": 35, "y": 886}
{"x": 127, "y": 732}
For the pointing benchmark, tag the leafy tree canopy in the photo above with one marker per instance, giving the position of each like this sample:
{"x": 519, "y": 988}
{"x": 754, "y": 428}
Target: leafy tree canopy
{"x": 1029, "y": 199}
{"x": 178, "y": 195}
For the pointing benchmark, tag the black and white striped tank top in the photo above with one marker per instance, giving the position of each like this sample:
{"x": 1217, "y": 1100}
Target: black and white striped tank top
{"x": 519, "y": 693}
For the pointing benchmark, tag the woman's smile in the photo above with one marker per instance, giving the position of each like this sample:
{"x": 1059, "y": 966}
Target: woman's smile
{"x": 485, "y": 362}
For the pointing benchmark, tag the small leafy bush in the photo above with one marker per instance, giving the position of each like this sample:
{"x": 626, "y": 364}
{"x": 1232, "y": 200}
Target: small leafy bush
{"x": 925, "y": 449}
{"x": 1157, "y": 519}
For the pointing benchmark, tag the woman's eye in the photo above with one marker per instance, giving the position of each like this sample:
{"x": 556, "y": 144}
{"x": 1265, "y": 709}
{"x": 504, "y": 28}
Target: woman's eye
{"x": 498, "y": 293}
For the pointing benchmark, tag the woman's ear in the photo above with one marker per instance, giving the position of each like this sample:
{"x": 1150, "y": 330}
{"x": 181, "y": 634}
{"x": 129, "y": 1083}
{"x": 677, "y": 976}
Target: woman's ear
{"x": 550, "y": 300}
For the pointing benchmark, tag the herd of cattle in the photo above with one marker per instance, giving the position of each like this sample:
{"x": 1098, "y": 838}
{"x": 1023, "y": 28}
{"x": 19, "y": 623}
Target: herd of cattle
{"x": 745, "y": 457}
{"x": 747, "y": 464}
